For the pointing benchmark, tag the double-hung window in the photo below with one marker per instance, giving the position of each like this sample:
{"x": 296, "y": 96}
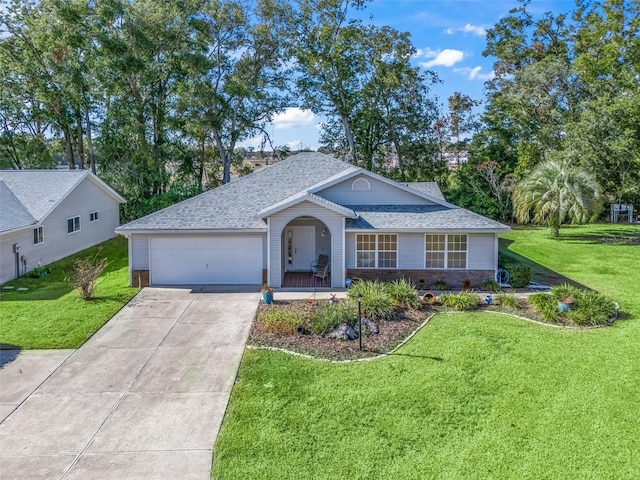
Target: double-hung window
{"x": 38, "y": 235}
{"x": 376, "y": 250}
{"x": 446, "y": 251}
{"x": 73, "y": 224}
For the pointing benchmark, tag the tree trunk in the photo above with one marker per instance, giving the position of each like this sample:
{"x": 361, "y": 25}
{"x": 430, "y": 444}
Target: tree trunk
{"x": 80, "y": 139}
{"x": 350, "y": 139}
{"x": 226, "y": 163}
{"x": 68, "y": 146}
{"x": 92, "y": 157}
{"x": 202, "y": 163}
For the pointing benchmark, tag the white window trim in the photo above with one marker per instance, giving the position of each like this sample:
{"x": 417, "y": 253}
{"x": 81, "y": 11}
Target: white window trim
{"x": 96, "y": 216}
{"x": 79, "y": 225}
{"x": 446, "y": 252}
{"x": 376, "y": 252}
{"x": 41, "y": 228}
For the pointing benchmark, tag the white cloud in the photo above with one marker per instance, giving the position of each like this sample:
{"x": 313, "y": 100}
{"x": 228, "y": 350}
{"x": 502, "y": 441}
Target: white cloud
{"x": 293, "y": 118}
{"x": 446, "y": 58}
{"x": 474, "y": 73}
{"x": 294, "y": 145}
{"x": 468, "y": 28}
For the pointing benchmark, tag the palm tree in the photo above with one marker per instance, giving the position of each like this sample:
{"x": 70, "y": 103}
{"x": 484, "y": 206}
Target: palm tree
{"x": 554, "y": 192}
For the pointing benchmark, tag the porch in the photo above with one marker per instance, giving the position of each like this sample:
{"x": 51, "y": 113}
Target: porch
{"x": 305, "y": 280}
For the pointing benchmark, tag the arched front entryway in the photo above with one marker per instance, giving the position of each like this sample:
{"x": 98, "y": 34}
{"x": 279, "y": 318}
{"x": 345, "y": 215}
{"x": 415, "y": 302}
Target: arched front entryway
{"x": 325, "y": 236}
{"x": 306, "y": 253}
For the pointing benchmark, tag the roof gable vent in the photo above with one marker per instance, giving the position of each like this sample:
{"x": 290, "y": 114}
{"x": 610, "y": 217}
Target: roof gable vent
{"x": 360, "y": 184}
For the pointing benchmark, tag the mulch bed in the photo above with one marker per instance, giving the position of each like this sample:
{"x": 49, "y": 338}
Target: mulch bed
{"x": 391, "y": 333}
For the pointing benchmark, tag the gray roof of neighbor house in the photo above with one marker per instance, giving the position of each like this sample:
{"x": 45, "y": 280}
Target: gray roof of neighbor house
{"x": 241, "y": 204}
{"x": 13, "y": 214}
{"x": 33, "y": 194}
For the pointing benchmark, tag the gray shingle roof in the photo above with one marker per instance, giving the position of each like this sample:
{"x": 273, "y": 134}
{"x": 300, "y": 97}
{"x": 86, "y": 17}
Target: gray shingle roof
{"x": 235, "y": 206}
{"x": 419, "y": 217}
{"x": 39, "y": 191}
{"x": 13, "y": 214}
{"x": 430, "y": 188}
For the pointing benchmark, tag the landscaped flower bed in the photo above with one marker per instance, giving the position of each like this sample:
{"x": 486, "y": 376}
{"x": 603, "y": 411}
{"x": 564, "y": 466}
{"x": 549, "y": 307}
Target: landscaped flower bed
{"x": 396, "y": 310}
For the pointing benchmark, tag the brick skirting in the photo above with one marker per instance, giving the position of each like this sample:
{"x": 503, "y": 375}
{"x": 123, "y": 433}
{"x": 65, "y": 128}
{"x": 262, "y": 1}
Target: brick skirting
{"x": 453, "y": 278}
{"x": 140, "y": 278}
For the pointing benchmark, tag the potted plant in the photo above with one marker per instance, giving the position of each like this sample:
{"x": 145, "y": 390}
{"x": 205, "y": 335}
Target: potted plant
{"x": 267, "y": 294}
{"x": 565, "y": 304}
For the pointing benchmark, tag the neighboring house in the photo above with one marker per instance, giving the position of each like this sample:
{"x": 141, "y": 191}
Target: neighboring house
{"x": 46, "y": 215}
{"x": 281, "y": 218}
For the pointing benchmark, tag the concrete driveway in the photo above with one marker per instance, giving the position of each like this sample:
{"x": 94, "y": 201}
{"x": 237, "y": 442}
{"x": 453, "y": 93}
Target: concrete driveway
{"x": 143, "y": 398}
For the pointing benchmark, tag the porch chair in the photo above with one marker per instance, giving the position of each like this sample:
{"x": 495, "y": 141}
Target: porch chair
{"x": 319, "y": 264}
{"x": 322, "y": 274}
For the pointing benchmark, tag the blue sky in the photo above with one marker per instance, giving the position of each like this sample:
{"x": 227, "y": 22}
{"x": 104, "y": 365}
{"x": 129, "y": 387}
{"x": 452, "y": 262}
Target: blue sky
{"x": 449, "y": 36}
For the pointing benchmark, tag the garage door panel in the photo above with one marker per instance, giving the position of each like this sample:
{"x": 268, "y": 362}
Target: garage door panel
{"x": 206, "y": 260}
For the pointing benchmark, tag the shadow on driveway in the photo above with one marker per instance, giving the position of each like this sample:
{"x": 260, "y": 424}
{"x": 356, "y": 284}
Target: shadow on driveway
{"x": 8, "y": 353}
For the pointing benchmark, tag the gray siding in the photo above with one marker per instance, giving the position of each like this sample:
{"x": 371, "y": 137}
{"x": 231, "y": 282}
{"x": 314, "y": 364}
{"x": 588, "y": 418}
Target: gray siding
{"x": 84, "y": 199}
{"x": 8, "y": 258}
{"x": 139, "y": 252}
{"x": 481, "y": 251}
{"x": 335, "y": 226}
{"x": 379, "y": 194}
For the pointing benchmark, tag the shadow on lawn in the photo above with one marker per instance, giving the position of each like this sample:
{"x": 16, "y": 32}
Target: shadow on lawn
{"x": 539, "y": 273}
{"x": 610, "y": 237}
{"x": 425, "y": 357}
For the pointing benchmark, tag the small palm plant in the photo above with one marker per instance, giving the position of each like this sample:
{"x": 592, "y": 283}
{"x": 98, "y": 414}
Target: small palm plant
{"x": 554, "y": 192}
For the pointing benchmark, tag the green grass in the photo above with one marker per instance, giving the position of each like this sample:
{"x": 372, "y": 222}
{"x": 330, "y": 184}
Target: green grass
{"x": 471, "y": 396}
{"x": 51, "y": 314}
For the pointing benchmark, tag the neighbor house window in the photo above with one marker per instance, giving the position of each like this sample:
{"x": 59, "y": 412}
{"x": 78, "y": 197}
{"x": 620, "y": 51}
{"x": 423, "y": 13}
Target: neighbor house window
{"x": 446, "y": 251}
{"x": 93, "y": 216}
{"x": 376, "y": 251}
{"x": 73, "y": 224}
{"x": 38, "y": 235}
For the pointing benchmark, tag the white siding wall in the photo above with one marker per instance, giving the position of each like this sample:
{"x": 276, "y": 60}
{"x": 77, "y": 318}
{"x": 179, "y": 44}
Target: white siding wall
{"x": 380, "y": 194}
{"x": 481, "y": 251}
{"x": 8, "y": 258}
{"x": 83, "y": 200}
{"x": 335, "y": 225}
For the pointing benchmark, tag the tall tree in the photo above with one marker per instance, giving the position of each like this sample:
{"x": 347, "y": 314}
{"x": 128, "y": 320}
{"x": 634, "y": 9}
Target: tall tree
{"x": 239, "y": 79}
{"x": 330, "y": 50}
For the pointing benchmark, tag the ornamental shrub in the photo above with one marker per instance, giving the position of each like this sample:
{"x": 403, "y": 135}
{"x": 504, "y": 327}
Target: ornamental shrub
{"x": 507, "y": 300}
{"x": 468, "y": 300}
{"x": 519, "y": 275}
{"x": 281, "y": 320}
{"x": 403, "y": 293}
{"x": 376, "y": 301}
{"x": 329, "y": 316}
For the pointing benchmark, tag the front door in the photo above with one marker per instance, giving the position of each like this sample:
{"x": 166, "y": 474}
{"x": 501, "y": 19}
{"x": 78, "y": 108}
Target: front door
{"x": 302, "y": 248}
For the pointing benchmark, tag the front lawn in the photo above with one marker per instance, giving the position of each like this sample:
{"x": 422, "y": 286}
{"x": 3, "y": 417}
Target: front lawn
{"x": 475, "y": 395}
{"x": 51, "y": 314}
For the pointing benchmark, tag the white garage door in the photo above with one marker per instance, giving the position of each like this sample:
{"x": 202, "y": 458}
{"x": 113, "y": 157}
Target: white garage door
{"x": 221, "y": 259}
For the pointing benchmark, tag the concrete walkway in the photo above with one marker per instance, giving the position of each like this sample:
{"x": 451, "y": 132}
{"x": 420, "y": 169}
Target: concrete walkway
{"x": 143, "y": 398}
